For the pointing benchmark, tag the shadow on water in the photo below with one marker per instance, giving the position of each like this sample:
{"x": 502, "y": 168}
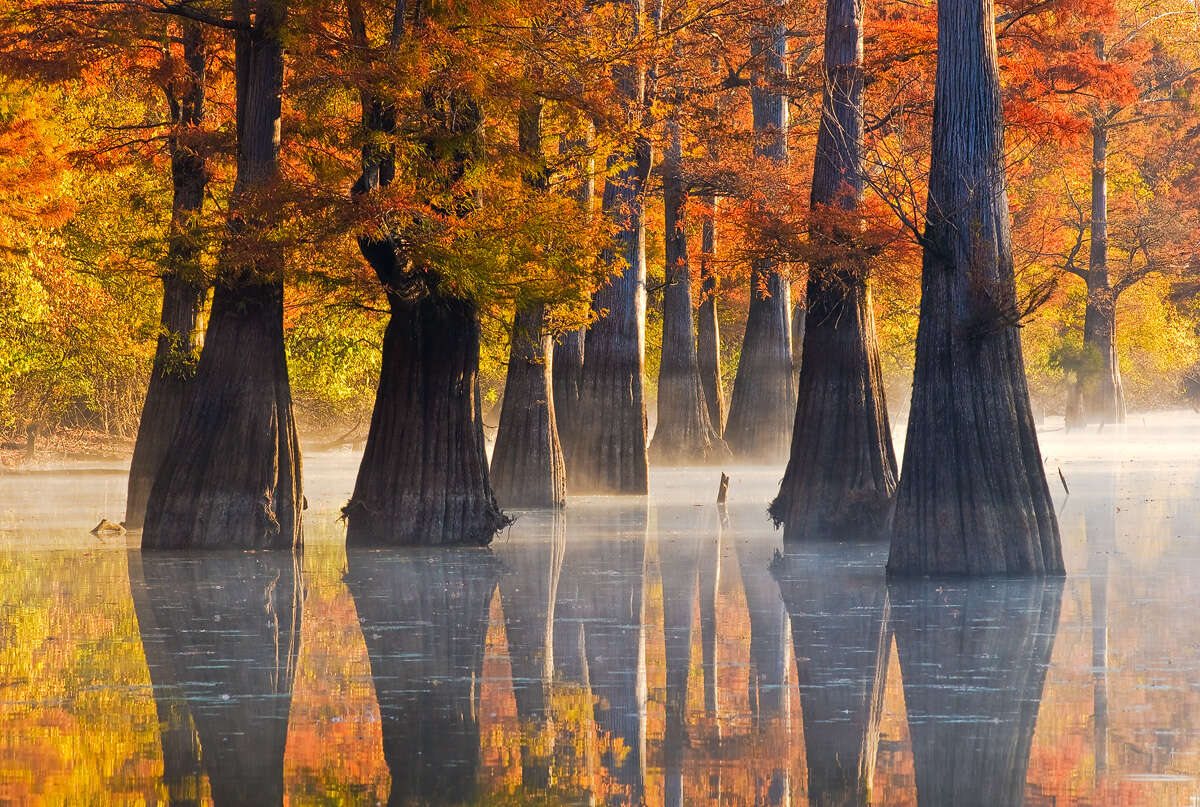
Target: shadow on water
{"x": 220, "y": 633}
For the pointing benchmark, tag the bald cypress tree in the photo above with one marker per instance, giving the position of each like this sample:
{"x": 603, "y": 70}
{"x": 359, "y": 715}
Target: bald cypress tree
{"x": 842, "y": 470}
{"x": 607, "y": 452}
{"x": 232, "y": 474}
{"x": 183, "y": 286}
{"x": 972, "y": 497}
{"x": 763, "y": 401}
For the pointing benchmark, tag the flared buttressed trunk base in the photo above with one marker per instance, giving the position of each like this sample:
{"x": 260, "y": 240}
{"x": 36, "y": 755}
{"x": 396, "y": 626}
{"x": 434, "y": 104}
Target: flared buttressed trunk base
{"x": 763, "y": 402}
{"x": 232, "y": 475}
{"x": 842, "y": 471}
{"x": 972, "y": 498}
{"x": 527, "y": 460}
{"x": 423, "y": 480}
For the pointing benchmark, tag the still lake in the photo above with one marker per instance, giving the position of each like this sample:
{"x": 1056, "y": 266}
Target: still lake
{"x": 626, "y": 651}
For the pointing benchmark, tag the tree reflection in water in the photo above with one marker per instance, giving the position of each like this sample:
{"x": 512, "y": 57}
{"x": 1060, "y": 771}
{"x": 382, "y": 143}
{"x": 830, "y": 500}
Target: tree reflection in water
{"x": 221, "y": 633}
{"x": 974, "y": 655}
{"x": 424, "y": 615}
{"x": 837, "y": 602}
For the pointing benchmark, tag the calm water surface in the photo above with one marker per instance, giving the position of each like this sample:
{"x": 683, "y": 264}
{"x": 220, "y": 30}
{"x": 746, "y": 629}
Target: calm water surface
{"x": 627, "y": 651}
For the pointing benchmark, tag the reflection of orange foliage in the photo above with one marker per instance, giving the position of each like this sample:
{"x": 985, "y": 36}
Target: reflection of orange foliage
{"x": 335, "y": 742}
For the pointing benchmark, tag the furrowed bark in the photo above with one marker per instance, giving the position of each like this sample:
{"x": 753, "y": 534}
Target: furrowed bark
{"x": 183, "y": 286}
{"x": 979, "y": 648}
{"x": 608, "y": 454}
{"x": 972, "y": 497}
{"x": 423, "y": 479}
{"x": 708, "y": 330}
{"x": 763, "y": 402}
{"x": 527, "y": 462}
{"x": 684, "y": 434}
{"x": 232, "y": 475}
{"x": 842, "y": 470}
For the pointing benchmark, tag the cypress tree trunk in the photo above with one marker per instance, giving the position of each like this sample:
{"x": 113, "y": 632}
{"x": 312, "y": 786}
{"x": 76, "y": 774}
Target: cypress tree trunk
{"x": 527, "y": 460}
{"x": 1101, "y": 392}
{"x": 183, "y": 286}
{"x": 708, "y": 330}
{"x": 423, "y": 479}
{"x": 235, "y": 681}
{"x": 568, "y": 350}
{"x": 684, "y": 434}
{"x": 842, "y": 470}
{"x": 424, "y": 618}
{"x": 608, "y": 453}
{"x": 974, "y": 660}
{"x": 232, "y": 474}
{"x": 972, "y": 497}
{"x": 763, "y": 402}
{"x": 841, "y": 639}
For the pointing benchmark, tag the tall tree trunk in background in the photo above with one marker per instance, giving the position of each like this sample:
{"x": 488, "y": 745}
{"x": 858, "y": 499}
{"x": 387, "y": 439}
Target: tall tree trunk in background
{"x": 423, "y": 479}
{"x": 568, "y": 350}
{"x": 1101, "y": 392}
{"x": 684, "y": 434}
{"x": 979, "y": 648}
{"x": 527, "y": 460}
{"x": 608, "y": 455}
{"x": 182, "y": 279}
{"x": 972, "y": 497}
{"x": 232, "y": 474}
{"x": 708, "y": 329}
{"x": 763, "y": 402}
{"x": 842, "y": 470}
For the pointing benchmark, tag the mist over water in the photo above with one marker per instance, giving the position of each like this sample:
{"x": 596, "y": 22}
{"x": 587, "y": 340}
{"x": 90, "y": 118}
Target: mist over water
{"x": 628, "y": 650}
